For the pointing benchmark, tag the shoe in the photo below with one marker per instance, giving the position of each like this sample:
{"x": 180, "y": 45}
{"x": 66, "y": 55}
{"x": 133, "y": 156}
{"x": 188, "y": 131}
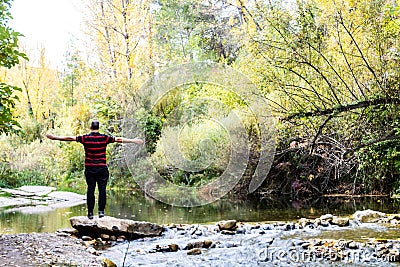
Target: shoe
{"x": 90, "y": 215}
{"x": 101, "y": 214}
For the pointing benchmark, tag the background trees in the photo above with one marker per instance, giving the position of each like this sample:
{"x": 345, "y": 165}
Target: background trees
{"x": 329, "y": 70}
{"x": 9, "y": 57}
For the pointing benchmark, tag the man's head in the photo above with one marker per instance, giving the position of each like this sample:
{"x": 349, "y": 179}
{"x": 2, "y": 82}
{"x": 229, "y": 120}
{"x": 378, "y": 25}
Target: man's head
{"x": 95, "y": 125}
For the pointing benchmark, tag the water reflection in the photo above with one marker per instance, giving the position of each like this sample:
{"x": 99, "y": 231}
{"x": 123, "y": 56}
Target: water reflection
{"x": 133, "y": 205}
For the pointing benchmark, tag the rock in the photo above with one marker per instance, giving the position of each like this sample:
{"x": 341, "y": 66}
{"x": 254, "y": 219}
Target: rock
{"x": 326, "y": 217}
{"x": 121, "y": 238}
{"x": 325, "y": 223}
{"x": 92, "y": 250}
{"x": 68, "y": 196}
{"x": 38, "y": 190}
{"x": 340, "y": 221}
{"x": 169, "y": 248}
{"x": 241, "y": 230}
{"x": 105, "y": 237}
{"x": 207, "y": 244}
{"x": 227, "y": 232}
{"x": 108, "y": 263}
{"x": 39, "y": 199}
{"x": 9, "y": 202}
{"x": 353, "y": 245}
{"x": 368, "y": 216}
{"x": 196, "y": 244}
{"x": 195, "y": 251}
{"x": 99, "y": 242}
{"x": 394, "y": 217}
{"x": 231, "y": 244}
{"x": 17, "y": 192}
{"x": 113, "y": 226}
{"x": 198, "y": 232}
{"x": 304, "y": 222}
{"x": 394, "y": 222}
{"x": 86, "y": 238}
{"x": 227, "y": 225}
{"x": 173, "y": 247}
{"x": 69, "y": 231}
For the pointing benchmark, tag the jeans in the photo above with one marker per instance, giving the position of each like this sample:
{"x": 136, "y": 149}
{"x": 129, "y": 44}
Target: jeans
{"x": 100, "y": 176}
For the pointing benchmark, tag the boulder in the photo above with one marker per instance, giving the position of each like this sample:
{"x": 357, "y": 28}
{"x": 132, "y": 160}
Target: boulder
{"x": 340, "y": 221}
{"x": 303, "y": 222}
{"x": 368, "y": 216}
{"x": 114, "y": 227}
{"x": 326, "y": 217}
{"x": 227, "y": 225}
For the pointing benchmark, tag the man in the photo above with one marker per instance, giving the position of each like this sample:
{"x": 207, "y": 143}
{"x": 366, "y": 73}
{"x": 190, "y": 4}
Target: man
{"x": 96, "y": 170}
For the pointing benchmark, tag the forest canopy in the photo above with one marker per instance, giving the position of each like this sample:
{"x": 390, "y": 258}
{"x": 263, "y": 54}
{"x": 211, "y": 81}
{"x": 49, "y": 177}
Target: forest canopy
{"x": 328, "y": 69}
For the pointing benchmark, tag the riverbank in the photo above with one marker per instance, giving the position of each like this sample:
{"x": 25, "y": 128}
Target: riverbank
{"x": 45, "y": 249}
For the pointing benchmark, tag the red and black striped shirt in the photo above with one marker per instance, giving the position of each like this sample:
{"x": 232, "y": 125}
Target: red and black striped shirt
{"x": 95, "y": 145}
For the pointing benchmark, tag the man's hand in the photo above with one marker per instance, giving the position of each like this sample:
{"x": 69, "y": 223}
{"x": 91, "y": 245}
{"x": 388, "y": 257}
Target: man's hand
{"x": 129, "y": 140}
{"x": 138, "y": 141}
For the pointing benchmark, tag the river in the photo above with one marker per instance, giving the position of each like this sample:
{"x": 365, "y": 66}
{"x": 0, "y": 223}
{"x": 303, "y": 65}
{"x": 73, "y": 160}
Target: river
{"x": 133, "y": 205}
{"x": 247, "y": 249}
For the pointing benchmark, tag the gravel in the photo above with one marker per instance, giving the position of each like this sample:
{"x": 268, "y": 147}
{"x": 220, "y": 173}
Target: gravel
{"x": 45, "y": 249}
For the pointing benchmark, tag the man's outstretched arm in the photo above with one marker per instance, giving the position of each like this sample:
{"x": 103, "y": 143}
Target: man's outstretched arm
{"x": 128, "y": 140}
{"x": 61, "y": 138}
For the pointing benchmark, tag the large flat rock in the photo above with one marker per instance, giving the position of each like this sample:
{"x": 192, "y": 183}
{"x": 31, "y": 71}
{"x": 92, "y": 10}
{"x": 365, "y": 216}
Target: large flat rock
{"x": 368, "y": 216}
{"x": 114, "y": 226}
{"x": 38, "y": 190}
{"x": 10, "y": 202}
{"x": 67, "y": 196}
{"x": 32, "y": 199}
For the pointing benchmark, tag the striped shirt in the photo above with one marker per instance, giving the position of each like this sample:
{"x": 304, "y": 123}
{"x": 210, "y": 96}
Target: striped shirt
{"x": 95, "y": 145}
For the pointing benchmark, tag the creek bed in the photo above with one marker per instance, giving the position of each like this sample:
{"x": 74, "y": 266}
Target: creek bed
{"x": 265, "y": 244}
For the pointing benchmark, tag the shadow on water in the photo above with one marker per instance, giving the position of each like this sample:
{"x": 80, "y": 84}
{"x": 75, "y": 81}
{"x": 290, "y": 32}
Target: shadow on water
{"x": 133, "y": 205}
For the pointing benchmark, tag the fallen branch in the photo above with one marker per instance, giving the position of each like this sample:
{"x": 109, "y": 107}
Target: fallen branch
{"x": 343, "y": 108}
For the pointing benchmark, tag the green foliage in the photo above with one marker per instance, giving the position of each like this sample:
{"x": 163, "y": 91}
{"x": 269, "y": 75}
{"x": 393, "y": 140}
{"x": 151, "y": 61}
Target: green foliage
{"x": 7, "y": 102}
{"x": 11, "y": 178}
{"x": 9, "y": 57}
{"x": 381, "y": 164}
{"x": 71, "y": 76}
{"x": 31, "y": 130}
{"x": 198, "y": 30}
{"x": 380, "y": 161}
{"x": 151, "y": 125}
{"x": 313, "y": 57}
{"x": 106, "y": 109}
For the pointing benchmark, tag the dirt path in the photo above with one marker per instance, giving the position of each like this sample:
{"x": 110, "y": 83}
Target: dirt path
{"x": 45, "y": 249}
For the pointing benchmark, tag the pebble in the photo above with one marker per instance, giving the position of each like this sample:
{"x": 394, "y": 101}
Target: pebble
{"x": 195, "y": 251}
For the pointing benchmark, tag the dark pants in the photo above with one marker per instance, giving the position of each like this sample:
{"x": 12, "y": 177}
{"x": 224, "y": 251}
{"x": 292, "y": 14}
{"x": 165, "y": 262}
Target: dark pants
{"x": 100, "y": 176}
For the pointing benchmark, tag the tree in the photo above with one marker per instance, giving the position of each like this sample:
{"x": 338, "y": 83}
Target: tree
{"x": 198, "y": 30}
{"x": 330, "y": 72}
{"x": 120, "y": 32}
{"x": 9, "y": 57}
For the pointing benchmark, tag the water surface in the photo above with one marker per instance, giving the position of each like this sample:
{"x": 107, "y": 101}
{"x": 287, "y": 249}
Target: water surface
{"x": 133, "y": 205}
